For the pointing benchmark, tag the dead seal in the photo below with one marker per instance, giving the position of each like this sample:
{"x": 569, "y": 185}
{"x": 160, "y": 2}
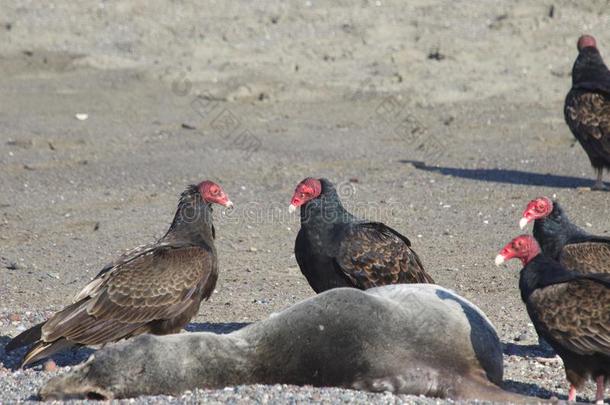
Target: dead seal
{"x": 405, "y": 339}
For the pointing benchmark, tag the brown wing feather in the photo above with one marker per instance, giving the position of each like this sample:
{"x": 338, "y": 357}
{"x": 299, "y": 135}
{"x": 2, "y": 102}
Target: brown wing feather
{"x": 156, "y": 285}
{"x": 372, "y": 255}
{"x": 588, "y": 116}
{"x": 576, "y": 315}
{"x": 586, "y": 257}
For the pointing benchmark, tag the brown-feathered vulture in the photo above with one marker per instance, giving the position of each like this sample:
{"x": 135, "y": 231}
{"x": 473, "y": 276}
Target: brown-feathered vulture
{"x": 587, "y": 106}
{"x": 565, "y": 242}
{"x": 570, "y": 310}
{"x": 155, "y": 288}
{"x": 335, "y": 249}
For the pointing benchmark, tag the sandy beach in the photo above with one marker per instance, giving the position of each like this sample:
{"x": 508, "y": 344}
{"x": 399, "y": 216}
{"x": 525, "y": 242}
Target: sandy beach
{"x": 441, "y": 119}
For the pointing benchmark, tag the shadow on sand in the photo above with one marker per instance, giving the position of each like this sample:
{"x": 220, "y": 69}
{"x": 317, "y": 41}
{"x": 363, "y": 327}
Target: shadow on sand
{"x": 506, "y": 176}
{"x": 532, "y": 390}
{"x": 220, "y": 328}
{"x": 540, "y": 350}
{"x": 68, "y": 357}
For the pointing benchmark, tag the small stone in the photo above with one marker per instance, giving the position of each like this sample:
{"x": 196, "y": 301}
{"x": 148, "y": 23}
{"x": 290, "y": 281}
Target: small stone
{"x": 81, "y": 116}
{"x": 13, "y": 266}
{"x": 549, "y": 360}
{"x": 252, "y": 249}
{"x": 49, "y": 366}
{"x": 14, "y": 317}
{"x": 21, "y": 143}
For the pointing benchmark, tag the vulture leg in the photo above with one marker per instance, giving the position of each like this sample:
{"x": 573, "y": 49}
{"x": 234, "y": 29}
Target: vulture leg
{"x": 572, "y": 393}
{"x": 599, "y": 184}
{"x": 601, "y": 388}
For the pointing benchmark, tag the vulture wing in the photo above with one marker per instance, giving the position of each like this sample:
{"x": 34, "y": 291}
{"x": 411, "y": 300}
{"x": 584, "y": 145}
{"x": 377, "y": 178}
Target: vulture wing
{"x": 588, "y": 116}
{"x": 587, "y": 257}
{"x": 576, "y": 315}
{"x": 155, "y": 283}
{"x": 372, "y": 254}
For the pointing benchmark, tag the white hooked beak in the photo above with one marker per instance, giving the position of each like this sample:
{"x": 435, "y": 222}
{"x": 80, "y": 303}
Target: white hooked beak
{"x": 499, "y": 260}
{"x": 523, "y": 222}
{"x": 229, "y": 204}
{"x": 292, "y": 208}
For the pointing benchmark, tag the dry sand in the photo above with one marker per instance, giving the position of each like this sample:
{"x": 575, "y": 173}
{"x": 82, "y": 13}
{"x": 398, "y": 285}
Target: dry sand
{"x": 259, "y": 96}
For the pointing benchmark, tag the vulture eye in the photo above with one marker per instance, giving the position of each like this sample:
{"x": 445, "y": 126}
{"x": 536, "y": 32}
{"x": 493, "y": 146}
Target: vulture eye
{"x": 303, "y": 195}
{"x": 214, "y": 190}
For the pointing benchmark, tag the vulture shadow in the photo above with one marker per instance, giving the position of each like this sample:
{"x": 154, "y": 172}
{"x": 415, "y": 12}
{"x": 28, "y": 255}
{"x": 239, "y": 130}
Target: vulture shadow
{"x": 530, "y": 389}
{"x": 68, "y": 357}
{"x": 218, "y": 328}
{"x": 507, "y": 176}
{"x": 542, "y": 349}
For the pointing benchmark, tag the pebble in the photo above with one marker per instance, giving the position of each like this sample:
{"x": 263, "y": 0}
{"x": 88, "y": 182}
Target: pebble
{"x": 49, "y": 366}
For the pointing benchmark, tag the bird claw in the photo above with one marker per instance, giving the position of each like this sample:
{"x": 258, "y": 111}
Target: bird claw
{"x": 599, "y": 187}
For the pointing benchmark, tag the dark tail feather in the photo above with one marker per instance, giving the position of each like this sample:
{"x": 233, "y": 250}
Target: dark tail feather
{"x": 25, "y": 338}
{"x": 425, "y": 277}
{"x": 42, "y": 350}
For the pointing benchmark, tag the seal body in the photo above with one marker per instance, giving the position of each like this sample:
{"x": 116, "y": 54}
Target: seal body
{"x": 405, "y": 339}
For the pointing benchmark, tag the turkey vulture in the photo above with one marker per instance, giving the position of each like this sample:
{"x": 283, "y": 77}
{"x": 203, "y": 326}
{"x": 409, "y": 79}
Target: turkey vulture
{"x": 570, "y": 310}
{"x": 587, "y": 106}
{"x": 156, "y": 288}
{"x": 565, "y": 242}
{"x": 336, "y": 249}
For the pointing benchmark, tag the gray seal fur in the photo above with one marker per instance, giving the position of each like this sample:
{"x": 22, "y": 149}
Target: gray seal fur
{"x": 418, "y": 339}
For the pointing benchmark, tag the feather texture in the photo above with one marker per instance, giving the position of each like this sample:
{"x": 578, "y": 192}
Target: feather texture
{"x": 156, "y": 288}
{"x": 587, "y": 108}
{"x": 571, "y": 311}
{"x": 335, "y": 249}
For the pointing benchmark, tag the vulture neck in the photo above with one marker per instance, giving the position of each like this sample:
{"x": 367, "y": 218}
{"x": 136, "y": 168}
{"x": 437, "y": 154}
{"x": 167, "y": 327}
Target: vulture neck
{"x": 555, "y": 231}
{"x": 193, "y": 219}
{"x": 325, "y": 211}
{"x": 589, "y": 67}
{"x": 532, "y": 275}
